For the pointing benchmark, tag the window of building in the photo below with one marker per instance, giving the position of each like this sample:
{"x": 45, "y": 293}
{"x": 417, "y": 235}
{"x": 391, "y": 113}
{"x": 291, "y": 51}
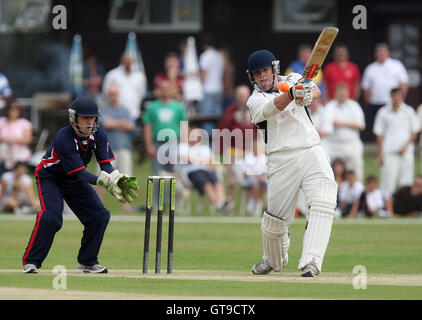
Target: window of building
{"x": 156, "y": 15}
{"x": 303, "y": 15}
{"x": 24, "y": 15}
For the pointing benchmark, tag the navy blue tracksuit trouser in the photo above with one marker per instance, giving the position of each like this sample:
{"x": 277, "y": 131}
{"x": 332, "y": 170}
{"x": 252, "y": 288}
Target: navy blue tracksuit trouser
{"x": 87, "y": 206}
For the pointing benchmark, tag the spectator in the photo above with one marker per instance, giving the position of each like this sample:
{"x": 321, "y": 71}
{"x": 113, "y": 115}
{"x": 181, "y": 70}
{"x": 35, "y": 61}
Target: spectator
{"x": 211, "y": 64}
{"x": 322, "y": 120}
{"x": 15, "y": 137}
{"x": 254, "y": 171}
{"x": 407, "y": 200}
{"x": 237, "y": 116}
{"x": 131, "y": 84}
{"x": 197, "y": 165}
{"x": 162, "y": 114}
{"x": 5, "y": 90}
{"x": 339, "y": 170}
{"x": 341, "y": 70}
{"x": 228, "y": 78}
{"x": 17, "y": 194}
{"x": 119, "y": 128}
{"x": 349, "y": 194}
{"x": 173, "y": 73}
{"x": 371, "y": 202}
{"x": 396, "y": 127}
{"x": 303, "y": 53}
{"x": 93, "y": 74}
{"x": 237, "y": 120}
{"x": 348, "y": 121}
{"x": 379, "y": 78}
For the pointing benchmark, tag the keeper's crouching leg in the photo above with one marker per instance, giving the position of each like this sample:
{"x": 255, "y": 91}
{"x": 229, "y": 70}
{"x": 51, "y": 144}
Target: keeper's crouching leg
{"x": 276, "y": 241}
{"x": 320, "y": 221}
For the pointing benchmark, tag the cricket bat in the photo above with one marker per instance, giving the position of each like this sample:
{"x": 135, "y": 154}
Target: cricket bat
{"x": 319, "y": 53}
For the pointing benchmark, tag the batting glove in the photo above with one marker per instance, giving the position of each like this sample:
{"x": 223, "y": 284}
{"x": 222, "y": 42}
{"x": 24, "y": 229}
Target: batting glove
{"x": 301, "y": 92}
{"x": 109, "y": 182}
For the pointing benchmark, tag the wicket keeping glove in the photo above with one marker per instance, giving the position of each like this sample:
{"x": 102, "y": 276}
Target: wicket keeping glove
{"x": 129, "y": 187}
{"x": 302, "y": 93}
{"x": 109, "y": 182}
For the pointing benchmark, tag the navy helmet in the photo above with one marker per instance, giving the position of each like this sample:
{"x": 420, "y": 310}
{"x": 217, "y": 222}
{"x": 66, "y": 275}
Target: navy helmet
{"x": 261, "y": 59}
{"x": 83, "y": 107}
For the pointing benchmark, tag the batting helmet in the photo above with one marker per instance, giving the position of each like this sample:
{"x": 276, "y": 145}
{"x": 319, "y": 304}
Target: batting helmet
{"x": 83, "y": 107}
{"x": 261, "y": 59}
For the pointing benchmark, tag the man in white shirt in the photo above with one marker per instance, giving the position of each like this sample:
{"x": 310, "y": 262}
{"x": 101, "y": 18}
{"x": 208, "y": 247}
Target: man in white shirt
{"x": 131, "y": 84}
{"x": 322, "y": 120}
{"x": 379, "y": 78}
{"x": 348, "y": 120}
{"x": 296, "y": 161}
{"x": 211, "y": 63}
{"x": 396, "y": 127}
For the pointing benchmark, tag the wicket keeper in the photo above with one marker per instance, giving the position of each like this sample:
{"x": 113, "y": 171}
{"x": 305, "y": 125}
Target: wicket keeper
{"x": 61, "y": 175}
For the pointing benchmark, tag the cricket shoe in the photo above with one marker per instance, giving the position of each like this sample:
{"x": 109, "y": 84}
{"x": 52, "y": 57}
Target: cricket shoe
{"x": 30, "y": 268}
{"x": 261, "y": 267}
{"x": 310, "y": 270}
{"x": 96, "y": 268}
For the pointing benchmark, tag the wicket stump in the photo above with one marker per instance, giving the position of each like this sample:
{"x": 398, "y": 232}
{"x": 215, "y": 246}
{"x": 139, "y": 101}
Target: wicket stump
{"x": 149, "y": 201}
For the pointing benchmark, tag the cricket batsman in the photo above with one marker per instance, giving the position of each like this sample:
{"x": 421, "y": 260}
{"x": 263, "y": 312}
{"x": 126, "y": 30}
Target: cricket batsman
{"x": 61, "y": 175}
{"x": 296, "y": 161}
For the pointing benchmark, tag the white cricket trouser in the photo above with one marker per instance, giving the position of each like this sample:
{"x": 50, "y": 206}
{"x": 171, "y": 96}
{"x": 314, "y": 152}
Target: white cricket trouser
{"x": 351, "y": 152}
{"x": 397, "y": 169}
{"x": 288, "y": 172}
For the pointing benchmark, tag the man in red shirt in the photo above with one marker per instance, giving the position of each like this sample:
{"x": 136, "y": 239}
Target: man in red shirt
{"x": 342, "y": 70}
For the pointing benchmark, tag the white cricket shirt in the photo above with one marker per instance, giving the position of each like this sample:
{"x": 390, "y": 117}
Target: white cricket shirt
{"x": 379, "y": 79}
{"x": 212, "y": 62}
{"x": 131, "y": 88}
{"x": 349, "y": 111}
{"x": 396, "y": 127}
{"x": 290, "y": 129}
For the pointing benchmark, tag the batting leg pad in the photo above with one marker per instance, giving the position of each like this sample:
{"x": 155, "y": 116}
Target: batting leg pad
{"x": 320, "y": 221}
{"x": 276, "y": 241}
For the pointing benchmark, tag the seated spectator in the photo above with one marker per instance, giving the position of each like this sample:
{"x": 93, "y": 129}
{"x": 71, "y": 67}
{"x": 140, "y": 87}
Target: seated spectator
{"x": 349, "y": 193}
{"x": 197, "y": 165}
{"x": 5, "y": 91}
{"x": 255, "y": 180}
{"x": 407, "y": 201}
{"x": 17, "y": 194}
{"x": 348, "y": 121}
{"x": 119, "y": 128}
{"x": 371, "y": 202}
{"x": 339, "y": 169}
{"x": 173, "y": 73}
{"x": 15, "y": 137}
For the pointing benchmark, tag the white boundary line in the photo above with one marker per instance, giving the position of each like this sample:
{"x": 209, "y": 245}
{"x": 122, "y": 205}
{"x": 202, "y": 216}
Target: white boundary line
{"x": 252, "y": 220}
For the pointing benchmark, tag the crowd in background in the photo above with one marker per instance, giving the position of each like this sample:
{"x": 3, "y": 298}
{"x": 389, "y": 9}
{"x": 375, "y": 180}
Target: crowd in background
{"x": 130, "y": 109}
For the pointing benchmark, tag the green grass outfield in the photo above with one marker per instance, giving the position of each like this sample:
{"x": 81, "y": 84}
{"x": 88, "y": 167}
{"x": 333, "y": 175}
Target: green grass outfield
{"x": 212, "y": 260}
